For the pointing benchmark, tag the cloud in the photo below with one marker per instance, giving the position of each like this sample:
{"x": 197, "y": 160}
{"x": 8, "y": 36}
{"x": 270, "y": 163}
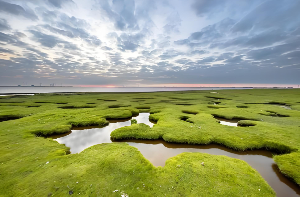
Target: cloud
{"x": 44, "y": 39}
{"x": 7, "y": 38}
{"x": 182, "y": 61}
{"x": 206, "y": 61}
{"x": 106, "y": 48}
{"x": 59, "y": 3}
{"x": 14, "y": 40}
{"x": 266, "y": 38}
{"x": 198, "y": 52}
{"x": 214, "y": 31}
{"x": 130, "y": 41}
{"x": 159, "y": 41}
{"x": 173, "y": 23}
{"x": 127, "y": 45}
{"x": 272, "y": 15}
{"x": 2, "y": 50}
{"x": 4, "y": 25}
{"x": 20, "y": 34}
{"x": 203, "y": 7}
{"x": 121, "y": 12}
{"x": 235, "y": 60}
{"x": 93, "y": 40}
{"x": 17, "y": 10}
{"x": 42, "y": 54}
{"x": 169, "y": 54}
{"x": 208, "y": 34}
{"x": 213, "y": 8}
{"x": 51, "y": 41}
{"x": 71, "y": 27}
{"x": 58, "y": 31}
{"x": 273, "y": 51}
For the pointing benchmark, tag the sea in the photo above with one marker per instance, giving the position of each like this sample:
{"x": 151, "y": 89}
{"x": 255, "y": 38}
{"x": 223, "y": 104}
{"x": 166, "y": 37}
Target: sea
{"x": 57, "y": 89}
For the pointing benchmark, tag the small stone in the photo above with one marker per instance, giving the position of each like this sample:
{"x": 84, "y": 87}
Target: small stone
{"x": 202, "y": 163}
{"x": 47, "y": 162}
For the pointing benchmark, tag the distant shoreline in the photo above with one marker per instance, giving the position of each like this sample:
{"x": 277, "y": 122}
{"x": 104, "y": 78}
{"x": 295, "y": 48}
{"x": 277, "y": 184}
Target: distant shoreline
{"x": 152, "y": 87}
{"x": 74, "y": 89}
{"x": 34, "y": 86}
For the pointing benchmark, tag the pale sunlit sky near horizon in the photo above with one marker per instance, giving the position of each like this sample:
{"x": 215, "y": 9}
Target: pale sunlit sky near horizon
{"x": 149, "y": 42}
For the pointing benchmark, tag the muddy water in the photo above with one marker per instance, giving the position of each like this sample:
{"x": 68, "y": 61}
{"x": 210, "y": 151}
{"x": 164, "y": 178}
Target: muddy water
{"x": 158, "y": 151}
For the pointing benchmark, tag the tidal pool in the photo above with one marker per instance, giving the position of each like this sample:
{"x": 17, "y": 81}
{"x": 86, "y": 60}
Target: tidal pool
{"x": 83, "y": 137}
{"x": 158, "y": 151}
{"x": 223, "y": 121}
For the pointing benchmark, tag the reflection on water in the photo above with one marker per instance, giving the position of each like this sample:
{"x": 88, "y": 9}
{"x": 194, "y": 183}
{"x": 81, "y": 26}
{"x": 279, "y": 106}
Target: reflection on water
{"x": 285, "y": 107}
{"x": 81, "y": 138}
{"x": 158, "y": 151}
{"x": 233, "y": 123}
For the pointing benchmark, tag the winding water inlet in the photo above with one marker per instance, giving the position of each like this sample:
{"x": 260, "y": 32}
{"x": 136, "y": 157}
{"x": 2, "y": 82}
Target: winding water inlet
{"x": 158, "y": 151}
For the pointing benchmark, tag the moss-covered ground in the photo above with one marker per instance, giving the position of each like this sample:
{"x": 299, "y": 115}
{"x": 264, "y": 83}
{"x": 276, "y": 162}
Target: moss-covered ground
{"x": 33, "y": 165}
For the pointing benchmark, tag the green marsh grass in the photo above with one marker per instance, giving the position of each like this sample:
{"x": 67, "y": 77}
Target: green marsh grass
{"x": 32, "y": 165}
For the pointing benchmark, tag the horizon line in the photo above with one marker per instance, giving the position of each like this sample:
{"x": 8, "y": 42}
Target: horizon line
{"x": 175, "y": 85}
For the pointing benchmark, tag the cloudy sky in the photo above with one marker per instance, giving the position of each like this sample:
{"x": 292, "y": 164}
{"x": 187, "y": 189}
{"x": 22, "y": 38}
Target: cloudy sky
{"x": 149, "y": 42}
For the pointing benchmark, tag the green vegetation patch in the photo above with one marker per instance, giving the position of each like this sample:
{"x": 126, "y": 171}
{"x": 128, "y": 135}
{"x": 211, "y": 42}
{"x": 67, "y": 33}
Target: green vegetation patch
{"x": 187, "y": 111}
{"x": 216, "y": 106}
{"x": 37, "y": 166}
{"x": 242, "y": 106}
{"x": 135, "y": 131}
{"x": 118, "y": 106}
{"x": 246, "y": 123}
{"x": 76, "y": 107}
{"x": 207, "y": 176}
{"x": 118, "y": 169}
{"x": 289, "y": 164}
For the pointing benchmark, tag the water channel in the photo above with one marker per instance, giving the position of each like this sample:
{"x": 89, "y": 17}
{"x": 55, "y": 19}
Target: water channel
{"x": 158, "y": 151}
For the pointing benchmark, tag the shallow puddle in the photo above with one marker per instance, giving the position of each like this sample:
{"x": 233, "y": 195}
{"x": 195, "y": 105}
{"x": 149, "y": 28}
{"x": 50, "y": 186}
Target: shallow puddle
{"x": 158, "y": 151}
{"x": 223, "y": 121}
{"x": 285, "y": 106}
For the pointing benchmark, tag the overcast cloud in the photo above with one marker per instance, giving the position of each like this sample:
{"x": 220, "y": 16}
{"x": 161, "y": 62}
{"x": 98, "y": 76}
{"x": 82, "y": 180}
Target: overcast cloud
{"x": 131, "y": 42}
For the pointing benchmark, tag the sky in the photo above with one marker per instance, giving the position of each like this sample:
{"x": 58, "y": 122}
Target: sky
{"x": 149, "y": 42}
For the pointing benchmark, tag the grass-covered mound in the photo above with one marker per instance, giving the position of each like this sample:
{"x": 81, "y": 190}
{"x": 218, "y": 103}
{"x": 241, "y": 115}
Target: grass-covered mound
{"x": 38, "y": 166}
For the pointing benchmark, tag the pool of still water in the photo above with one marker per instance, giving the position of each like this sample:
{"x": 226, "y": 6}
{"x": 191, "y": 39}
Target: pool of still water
{"x": 158, "y": 151}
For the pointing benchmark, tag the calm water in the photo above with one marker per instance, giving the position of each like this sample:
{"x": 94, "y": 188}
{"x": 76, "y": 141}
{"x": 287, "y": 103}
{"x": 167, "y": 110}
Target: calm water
{"x": 158, "y": 151}
{"x": 84, "y": 137}
{"x": 233, "y": 123}
{"x": 37, "y": 89}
